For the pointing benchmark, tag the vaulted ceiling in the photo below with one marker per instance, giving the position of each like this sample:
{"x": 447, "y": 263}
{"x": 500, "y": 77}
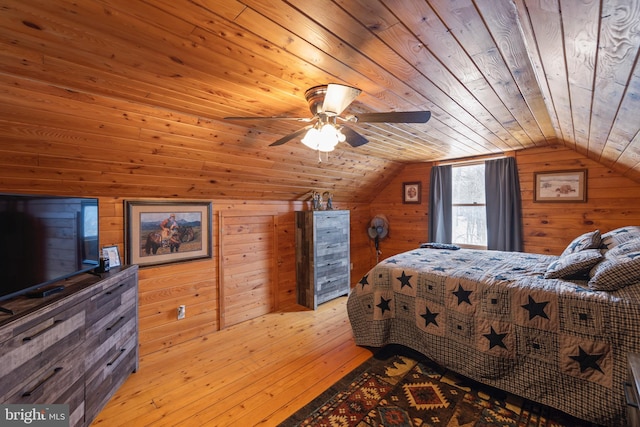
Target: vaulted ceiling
{"x": 158, "y": 77}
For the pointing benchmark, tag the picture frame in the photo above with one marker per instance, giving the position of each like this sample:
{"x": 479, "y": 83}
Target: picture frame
{"x": 112, "y": 254}
{"x": 560, "y": 186}
{"x": 161, "y": 232}
{"x": 412, "y": 192}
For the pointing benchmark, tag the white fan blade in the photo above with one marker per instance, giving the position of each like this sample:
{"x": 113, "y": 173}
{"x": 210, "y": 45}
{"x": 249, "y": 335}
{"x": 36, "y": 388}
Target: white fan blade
{"x": 289, "y": 137}
{"x": 338, "y": 98}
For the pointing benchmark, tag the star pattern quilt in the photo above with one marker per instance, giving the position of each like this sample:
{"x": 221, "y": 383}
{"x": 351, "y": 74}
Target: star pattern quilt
{"x": 493, "y": 317}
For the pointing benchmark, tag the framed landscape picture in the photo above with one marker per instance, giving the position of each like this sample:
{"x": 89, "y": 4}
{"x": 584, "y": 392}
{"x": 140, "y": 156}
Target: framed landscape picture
{"x": 560, "y": 186}
{"x": 159, "y": 232}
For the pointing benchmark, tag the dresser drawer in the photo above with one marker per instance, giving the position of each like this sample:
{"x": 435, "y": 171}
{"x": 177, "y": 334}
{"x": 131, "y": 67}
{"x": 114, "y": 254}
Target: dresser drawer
{"x": 107, "y": 307}
{"x": 66, "y": 386}
{"x": 110, "y": 297}
{"x": 334, "y": 250}
{"x": 111, "y": 369}
{"x": 337, "y": 219}
{"x": 53, "y": 383}
{"x": 39, "y": 354}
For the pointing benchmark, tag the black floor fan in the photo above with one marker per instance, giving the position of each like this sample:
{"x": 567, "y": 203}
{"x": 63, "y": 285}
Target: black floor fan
{"x": 378, "y": 230}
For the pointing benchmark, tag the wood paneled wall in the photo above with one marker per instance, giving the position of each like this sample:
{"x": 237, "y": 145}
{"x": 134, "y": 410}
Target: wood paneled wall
{"x": 612, "y": 201}
{"x": 196, "y": 284}
{"x": 407, "y": 222}
{"x": 548, "y": 228}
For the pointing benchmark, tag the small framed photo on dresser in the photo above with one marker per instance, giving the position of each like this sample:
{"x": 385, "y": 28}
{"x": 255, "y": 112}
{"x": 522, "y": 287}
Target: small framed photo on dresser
{"x": 112, "y": 254}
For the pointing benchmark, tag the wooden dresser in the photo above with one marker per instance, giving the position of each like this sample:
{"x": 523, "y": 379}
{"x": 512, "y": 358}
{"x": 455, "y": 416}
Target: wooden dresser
{"x": 75, "y": 347}
{"x": 323, "y": 267}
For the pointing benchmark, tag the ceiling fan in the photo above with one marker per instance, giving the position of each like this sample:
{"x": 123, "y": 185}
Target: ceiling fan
{"x": 326, "y": 127}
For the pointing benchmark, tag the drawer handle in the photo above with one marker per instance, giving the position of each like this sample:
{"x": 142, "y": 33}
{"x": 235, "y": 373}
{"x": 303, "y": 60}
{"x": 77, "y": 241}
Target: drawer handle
{"x": 110, "y": 291}
{"x": 115, "y": 323}
{"x": 42, "y": 382}
{"x": 117, "y": 356}
{"x": 37, "y": 334}
{"x": 628, "y": 396}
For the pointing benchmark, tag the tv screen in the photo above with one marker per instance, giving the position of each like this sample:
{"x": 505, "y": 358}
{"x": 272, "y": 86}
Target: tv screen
{"x": 45, "y": 239}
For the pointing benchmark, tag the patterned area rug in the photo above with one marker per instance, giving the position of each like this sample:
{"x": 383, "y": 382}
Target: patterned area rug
{"x": 398, "y": 387}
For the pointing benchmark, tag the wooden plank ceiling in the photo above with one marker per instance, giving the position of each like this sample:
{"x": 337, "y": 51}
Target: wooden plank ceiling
{"x": 147, "y": 84}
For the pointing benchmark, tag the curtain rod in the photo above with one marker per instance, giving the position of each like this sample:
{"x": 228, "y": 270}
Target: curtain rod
{"x": 470, "y": 161}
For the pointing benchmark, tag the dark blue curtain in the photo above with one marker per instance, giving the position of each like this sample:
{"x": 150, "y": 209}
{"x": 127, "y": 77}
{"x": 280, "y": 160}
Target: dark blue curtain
{"x": 440, "y": 221}
{"x": 504, "y": 208}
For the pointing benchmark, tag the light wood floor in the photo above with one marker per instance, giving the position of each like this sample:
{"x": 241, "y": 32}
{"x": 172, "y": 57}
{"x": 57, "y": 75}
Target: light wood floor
{"x": 256, "y": 373}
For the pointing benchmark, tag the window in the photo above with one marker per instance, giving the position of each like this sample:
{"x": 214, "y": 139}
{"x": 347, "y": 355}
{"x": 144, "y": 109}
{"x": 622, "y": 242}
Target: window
{"x": 88, "y": 234}
{"x": 90, "y": 219}
{"x": 468, "y": 206}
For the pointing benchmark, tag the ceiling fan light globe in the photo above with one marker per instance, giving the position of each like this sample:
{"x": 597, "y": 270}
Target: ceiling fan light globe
{"x": 328, "y": 138}
{"x": 311, "y": 139}
{"x": 328, "y": 131}
{"x": 326, "y": 147}
{"x": 327, "y": 144}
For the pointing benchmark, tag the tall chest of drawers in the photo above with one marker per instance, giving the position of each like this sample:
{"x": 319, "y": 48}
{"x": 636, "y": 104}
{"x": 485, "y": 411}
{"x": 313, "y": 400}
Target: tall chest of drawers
{"x": 323, "y": 266}
{"x": 75, "y": 347}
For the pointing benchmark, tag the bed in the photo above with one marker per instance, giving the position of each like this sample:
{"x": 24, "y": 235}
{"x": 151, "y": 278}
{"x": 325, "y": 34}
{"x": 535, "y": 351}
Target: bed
{"x": 553, "y": 329}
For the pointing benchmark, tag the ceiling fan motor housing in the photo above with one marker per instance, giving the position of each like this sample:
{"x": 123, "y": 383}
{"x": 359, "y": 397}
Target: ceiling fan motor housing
{"x": 315, "y": 98}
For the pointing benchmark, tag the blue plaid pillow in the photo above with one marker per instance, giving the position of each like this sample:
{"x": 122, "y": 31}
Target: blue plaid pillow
{"x": 573, "y": 265}
{"x": 590, "y": 240}
{"x": 621, "y": 267}
{"x": 613, "y": 238}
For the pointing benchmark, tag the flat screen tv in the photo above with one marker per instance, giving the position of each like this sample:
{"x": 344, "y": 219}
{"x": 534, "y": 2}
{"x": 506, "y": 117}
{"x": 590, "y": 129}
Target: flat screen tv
{"x": 44, "y": 239}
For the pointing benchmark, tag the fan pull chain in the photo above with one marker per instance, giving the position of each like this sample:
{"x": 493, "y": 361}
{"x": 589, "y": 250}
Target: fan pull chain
{"x": 320, "y": 156}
